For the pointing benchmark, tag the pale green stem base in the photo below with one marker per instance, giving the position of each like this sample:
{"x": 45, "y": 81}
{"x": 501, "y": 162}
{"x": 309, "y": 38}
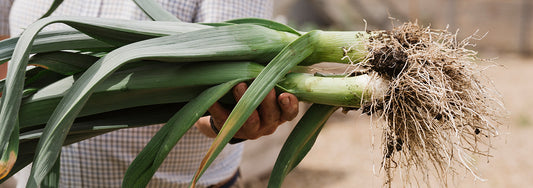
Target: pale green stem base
{"x": 334, "y": 46}
{"x": 334, "y": 91}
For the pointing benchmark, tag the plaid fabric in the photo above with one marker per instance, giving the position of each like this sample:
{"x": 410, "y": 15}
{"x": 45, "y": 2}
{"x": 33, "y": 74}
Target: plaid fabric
{"x": 186, "y": 10}
{"x": 5, "y": 6}
{"x": 101, "y": 161}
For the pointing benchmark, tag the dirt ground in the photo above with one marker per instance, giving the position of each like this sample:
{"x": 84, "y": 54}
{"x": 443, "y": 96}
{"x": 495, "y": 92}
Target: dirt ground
{"x": 343, "y": 155}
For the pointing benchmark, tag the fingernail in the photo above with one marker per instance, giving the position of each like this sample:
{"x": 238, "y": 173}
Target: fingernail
{"x": 285, "y": 101}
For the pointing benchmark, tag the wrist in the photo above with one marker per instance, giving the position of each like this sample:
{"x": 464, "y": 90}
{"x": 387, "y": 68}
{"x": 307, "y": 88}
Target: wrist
{"x": 203, "y": 124}
{"x": 216, "y": 131}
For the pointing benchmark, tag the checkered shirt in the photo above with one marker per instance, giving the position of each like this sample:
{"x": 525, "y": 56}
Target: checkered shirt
{"x": 5, "y": 6}
{"x": 102, "y": 161}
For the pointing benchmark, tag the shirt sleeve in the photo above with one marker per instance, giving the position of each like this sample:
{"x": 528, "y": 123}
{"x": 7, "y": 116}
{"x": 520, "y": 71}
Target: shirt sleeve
{"x": 5, "y": 7}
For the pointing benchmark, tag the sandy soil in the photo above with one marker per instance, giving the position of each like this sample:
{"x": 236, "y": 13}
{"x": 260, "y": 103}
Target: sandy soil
{"x": 343, "y": 155}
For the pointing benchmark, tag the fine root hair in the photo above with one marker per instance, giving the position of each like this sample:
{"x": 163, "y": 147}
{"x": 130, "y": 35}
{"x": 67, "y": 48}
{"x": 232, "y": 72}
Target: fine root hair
{"x": 439, "y": 111}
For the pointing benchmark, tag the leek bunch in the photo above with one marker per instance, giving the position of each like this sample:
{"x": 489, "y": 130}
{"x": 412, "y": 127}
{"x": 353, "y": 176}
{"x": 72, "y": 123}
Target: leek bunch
{"x": 111, "y": 74}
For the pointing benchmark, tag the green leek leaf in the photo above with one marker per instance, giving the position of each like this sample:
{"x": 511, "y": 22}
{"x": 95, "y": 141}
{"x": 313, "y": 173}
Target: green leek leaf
{"x": 155, "y": 11}
{"x": 152, "y": 156}
{"x": 52, "y": 8}
{"x": 300, "y": 141}
{"x": 52, "y": 178}
{"x": 53, "y": 41}
{"x": 265, "y": 23}
{"x": 288, "y": 58}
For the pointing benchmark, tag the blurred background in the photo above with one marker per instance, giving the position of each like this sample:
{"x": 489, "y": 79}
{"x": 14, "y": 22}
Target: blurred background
{"x": 346, "y": 153}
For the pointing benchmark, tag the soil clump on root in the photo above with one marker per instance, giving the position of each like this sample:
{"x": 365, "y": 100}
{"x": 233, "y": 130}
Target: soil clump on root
{"x": 439, "y": 111}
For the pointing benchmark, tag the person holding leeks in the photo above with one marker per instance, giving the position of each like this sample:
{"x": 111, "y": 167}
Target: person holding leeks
{"x": 102, "y": 161}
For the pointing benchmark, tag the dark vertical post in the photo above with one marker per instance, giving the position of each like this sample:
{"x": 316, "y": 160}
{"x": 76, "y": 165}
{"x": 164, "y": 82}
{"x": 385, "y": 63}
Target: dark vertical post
{"x": 525, "y": 29}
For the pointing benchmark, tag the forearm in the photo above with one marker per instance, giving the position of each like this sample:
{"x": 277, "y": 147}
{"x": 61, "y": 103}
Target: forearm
{"x": 3, "y": 66}
{"x": 204, "y": 125}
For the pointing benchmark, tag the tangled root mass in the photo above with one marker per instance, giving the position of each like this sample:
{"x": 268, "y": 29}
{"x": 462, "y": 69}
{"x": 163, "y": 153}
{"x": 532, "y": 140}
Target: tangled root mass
{"x": 440, "y": 110}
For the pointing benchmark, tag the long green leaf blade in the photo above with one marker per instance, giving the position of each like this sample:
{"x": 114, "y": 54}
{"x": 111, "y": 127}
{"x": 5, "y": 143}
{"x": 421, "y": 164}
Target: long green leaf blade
{"x": 145, "y": 85}
{"x": 52, "y": 8}
{"x": 52, "y": 178}
{"x": 299, "y": 142}
{"x": 221, "y": 43}
{"x": 65, "y": 63}
{"x": 8, "y": 158}
{"x": 288, "y": 58}
{"x": 151, "y": 157}
{"x": 84, "y": 127}
{"x": 122, "y": 32}
{"x": 53, "y": 41}
{"x": 12, "y": 91}
{"x": 53, "y": 66}
{"x": 95, "y": 125}
{"x": 155, "y": 11}
{"x": 265, "y": 23}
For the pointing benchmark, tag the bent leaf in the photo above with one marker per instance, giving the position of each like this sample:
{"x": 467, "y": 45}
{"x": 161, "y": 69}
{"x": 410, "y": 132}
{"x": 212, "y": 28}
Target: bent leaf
{"x": 288, "y": 58}
{"x": 234, "y": 42}
{"x": 155, "y": 11}
{"x": 152, "y": 156}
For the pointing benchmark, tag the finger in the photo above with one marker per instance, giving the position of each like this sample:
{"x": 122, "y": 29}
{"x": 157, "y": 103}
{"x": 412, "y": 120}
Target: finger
{"x": 250, "y": 128}
{"x": 289, "y": 106}
{"x": 269, "y": 112}
{"x": 239, "y": 90}
{"x": 219, "y": 114}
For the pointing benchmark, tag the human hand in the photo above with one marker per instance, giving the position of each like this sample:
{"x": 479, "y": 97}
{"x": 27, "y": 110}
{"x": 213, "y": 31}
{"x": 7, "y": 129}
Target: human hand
{"x": 271, "y": 113}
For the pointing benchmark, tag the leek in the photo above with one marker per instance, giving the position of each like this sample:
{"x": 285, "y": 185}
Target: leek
{"x": 410, "y": 80}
